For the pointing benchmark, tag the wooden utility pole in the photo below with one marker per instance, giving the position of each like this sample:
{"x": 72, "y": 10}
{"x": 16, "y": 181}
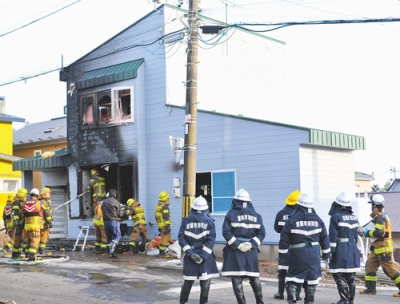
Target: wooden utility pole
{"x": 189, "y": 172}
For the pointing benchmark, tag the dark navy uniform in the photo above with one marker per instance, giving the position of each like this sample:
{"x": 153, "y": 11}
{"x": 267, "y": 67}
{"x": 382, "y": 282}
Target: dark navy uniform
{"x": 303, "y": 238}
{"x": 343, "y": 236}
{"x": 242, "y": 224}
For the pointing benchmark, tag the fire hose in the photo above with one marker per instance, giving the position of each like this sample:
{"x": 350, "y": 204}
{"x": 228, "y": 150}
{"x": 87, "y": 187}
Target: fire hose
{"x": 67, "y": 202}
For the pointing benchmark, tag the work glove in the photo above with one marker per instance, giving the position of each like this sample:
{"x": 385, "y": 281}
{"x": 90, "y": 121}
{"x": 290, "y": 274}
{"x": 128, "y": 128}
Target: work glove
{"x": 50, "y": 224}
{"x": 246, "y": 246}
{"x": 195, "y": 257}
{"x": 366, "y": 231}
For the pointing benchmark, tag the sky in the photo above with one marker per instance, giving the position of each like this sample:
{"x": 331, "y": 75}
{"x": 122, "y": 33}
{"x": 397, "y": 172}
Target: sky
{"x": 341, "y": 77}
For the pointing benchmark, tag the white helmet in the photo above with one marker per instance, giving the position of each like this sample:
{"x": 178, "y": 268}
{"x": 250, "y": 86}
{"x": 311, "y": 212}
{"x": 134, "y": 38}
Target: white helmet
{"x": 378, "y": 200}
{"x": 305, "y": 200}
{"x": 242, "y": 195}
{"x": 343, "y": 200}
{"x": 35, "y": 191}
{"x": 200, "y": 204}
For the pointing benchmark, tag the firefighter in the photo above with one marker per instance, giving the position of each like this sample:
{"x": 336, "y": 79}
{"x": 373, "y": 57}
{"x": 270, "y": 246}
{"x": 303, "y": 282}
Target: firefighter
{"x": 280, "y": 220}
{"x": 32, "y": 224}
{"x": 47, "y": 219}
{"x": 343, "y": 236}
{"x": 303, "y": 238}
{"x": 197, "y": 238}
{"x": 381, "y": 249}
{"x": 139, "y": 226}
{"x": 112, "y": 215}
{"x": 18, "y": 220}
{"x": 100, "y": 245}
{"x": 163, "y": 218}
{"x": 243, "y": 231}
{"x": 9, "y": 225}
{"x": 97, "y": 186}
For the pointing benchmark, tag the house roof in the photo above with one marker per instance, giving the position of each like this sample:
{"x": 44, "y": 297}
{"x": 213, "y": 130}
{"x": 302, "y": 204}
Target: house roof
{"x": 41, "y": 132}
{"x": 363, "y": 176}
{"x": 9, "y": 158}
{"x": 10, "y": 118}
{"x": 56, "y": 159}
{"x": 395, "y": 186}
{"x": 392, "y": 208}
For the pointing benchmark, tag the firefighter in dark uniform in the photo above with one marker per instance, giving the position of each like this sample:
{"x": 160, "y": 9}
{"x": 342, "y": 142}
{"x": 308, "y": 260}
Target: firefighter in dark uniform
{"x": 17, "y": 217}
{"x": 280, "y": 220}
{"x": 9, "y": 225}
{"x": 244, "y": 231}
{"x": 343, "y": 236}
{"x": 381, "y": 249}
{"x": 303, "y": 238}
{"x": 197, "y": 238}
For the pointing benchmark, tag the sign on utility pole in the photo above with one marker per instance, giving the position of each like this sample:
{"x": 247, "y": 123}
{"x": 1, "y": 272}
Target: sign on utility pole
{"x": 189, "y": 172}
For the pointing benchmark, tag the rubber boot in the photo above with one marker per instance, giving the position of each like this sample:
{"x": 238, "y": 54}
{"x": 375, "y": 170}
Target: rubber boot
{"x": 352, "y": 287}
{"x": 298, "y": 297}
{"x": 281, "y": 284}
{"x": 97, "y": 249}
{"x": 370, "y": 288}
{"x": 291, "y": 290}
{"x": 185, "y": 291}
{"x": 342, "y": 287}
{"x": 397, "y": 294}
{"x": 204, "y": 290}
{"x": 309, "y": 294}
{"x": 6, "y": 252}
{"x": 256, "y": 286}
{"x": 237, "y": 284}
{"x": 16, "y": 255}
{"x": 111, "y": 254}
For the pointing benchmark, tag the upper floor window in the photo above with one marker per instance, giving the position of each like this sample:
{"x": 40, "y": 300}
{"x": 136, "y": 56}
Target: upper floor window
{"x": 109, "y": 107}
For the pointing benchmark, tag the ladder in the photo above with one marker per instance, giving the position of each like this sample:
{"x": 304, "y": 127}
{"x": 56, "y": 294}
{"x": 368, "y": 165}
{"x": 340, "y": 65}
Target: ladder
{"x": 84, "y": 232}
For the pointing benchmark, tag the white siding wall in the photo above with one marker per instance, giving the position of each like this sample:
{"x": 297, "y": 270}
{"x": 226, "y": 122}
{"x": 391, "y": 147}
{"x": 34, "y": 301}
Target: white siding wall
{"x": 324, "y": 173}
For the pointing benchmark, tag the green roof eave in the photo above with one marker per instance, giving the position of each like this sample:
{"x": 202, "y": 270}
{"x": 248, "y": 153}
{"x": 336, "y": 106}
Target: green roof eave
{"x": 336, "y": 140}
{"x": 110, "y": 74}
{"x": 59, "y": 159}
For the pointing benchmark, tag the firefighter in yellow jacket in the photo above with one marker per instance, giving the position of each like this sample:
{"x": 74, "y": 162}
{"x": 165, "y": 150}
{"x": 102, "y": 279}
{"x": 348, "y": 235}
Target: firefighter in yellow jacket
{"x": 18, "y": 221}
{"x": 100, "y": 245}
{"x": 9, "y": 225}
{"x": 139, "y": 226}
{"x": 381, "y": 249}
{"x": 47, "y": 219}
{"x": 97, "y": 186}
{"x": 32, "y": 224}
{"x": 163, "y": 218}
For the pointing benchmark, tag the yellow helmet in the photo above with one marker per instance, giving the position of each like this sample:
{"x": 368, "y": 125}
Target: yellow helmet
{"x": 22, "y": 192}
{"x": 45, "y": 190}
{"x": 293, "y": 198}
{"x": 132, "y": 202}
{"x": 163, "y": 196}
{"x": 94, "y": 172}
{"x": 11, "y": 196}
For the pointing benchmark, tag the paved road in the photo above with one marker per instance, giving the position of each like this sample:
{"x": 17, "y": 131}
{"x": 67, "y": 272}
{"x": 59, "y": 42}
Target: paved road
{"x": 151, "y": 280}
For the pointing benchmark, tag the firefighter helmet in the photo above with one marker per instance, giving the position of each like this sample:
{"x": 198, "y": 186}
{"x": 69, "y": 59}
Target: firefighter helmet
{"x": 305, "y": 200}
{"x": 45, "y": 190}
{"x": 242, "y": 195}
{"x": 94, "y": 172}
{"x": 35, "y": 192}
{"x": 163, "y": 196}
{"x": 132, "y": 203}
{"x": 293, "y": 197}
{"x": 343, "y": 200}
{"x": 377, "y": 200}
{"x": 11, "y": 196}
{"x": 200, "y": 204}
{"x": 22, "y": 192}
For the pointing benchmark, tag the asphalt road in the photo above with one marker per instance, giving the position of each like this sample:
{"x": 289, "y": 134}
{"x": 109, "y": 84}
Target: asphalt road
{"x": 94, "y": 280}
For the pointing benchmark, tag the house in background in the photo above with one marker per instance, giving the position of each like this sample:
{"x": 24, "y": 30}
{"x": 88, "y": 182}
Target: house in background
{"x": 363, "y": 182}
{"x": 40, "y": 139}
{"x": 126, "y": 117}
{"x": 10, "y": 181}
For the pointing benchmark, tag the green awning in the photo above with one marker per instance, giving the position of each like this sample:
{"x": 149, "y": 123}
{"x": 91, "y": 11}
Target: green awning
{"x": 59, "y": 159}
{"x": 114, "y": 73}
{"x": 337, "y": 140}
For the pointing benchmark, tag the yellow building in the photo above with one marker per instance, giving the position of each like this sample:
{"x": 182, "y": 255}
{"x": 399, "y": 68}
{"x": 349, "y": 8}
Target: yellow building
{"x": 10, "y": 180}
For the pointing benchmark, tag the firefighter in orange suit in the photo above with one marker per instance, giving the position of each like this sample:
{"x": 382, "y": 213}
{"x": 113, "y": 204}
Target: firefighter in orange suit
{"x": 139, "y": 226}
{"x": 100, "y": 245}
{"x": 32, "y": 224}
{"x": 17, "y": 218}
{"x": 163, "y": 218}
{"x": 381, "y": 248}
{"x": 47, "y": 219}
{"x": 9, "y": 225}
{"x": 97, "y": 186}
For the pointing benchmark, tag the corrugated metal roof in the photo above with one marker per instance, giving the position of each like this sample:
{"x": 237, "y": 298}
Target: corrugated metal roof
{"x": 60, "y": 158}
{"x": 337, "y": 140}
{"x": 114, "y": 73}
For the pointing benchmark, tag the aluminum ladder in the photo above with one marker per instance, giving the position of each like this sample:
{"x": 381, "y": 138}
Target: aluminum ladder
{"x": 84, "y": 232}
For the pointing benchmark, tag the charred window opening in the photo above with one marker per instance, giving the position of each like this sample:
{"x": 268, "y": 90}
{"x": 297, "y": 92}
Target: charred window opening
{"x": 110, "y": 107}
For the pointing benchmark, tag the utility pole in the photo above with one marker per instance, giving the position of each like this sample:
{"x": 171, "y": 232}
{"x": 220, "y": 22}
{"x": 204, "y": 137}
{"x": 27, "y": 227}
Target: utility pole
{"x": 189, "y": 172}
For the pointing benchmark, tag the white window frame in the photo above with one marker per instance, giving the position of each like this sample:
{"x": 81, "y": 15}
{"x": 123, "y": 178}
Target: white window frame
{"x": 4, "y": 181}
